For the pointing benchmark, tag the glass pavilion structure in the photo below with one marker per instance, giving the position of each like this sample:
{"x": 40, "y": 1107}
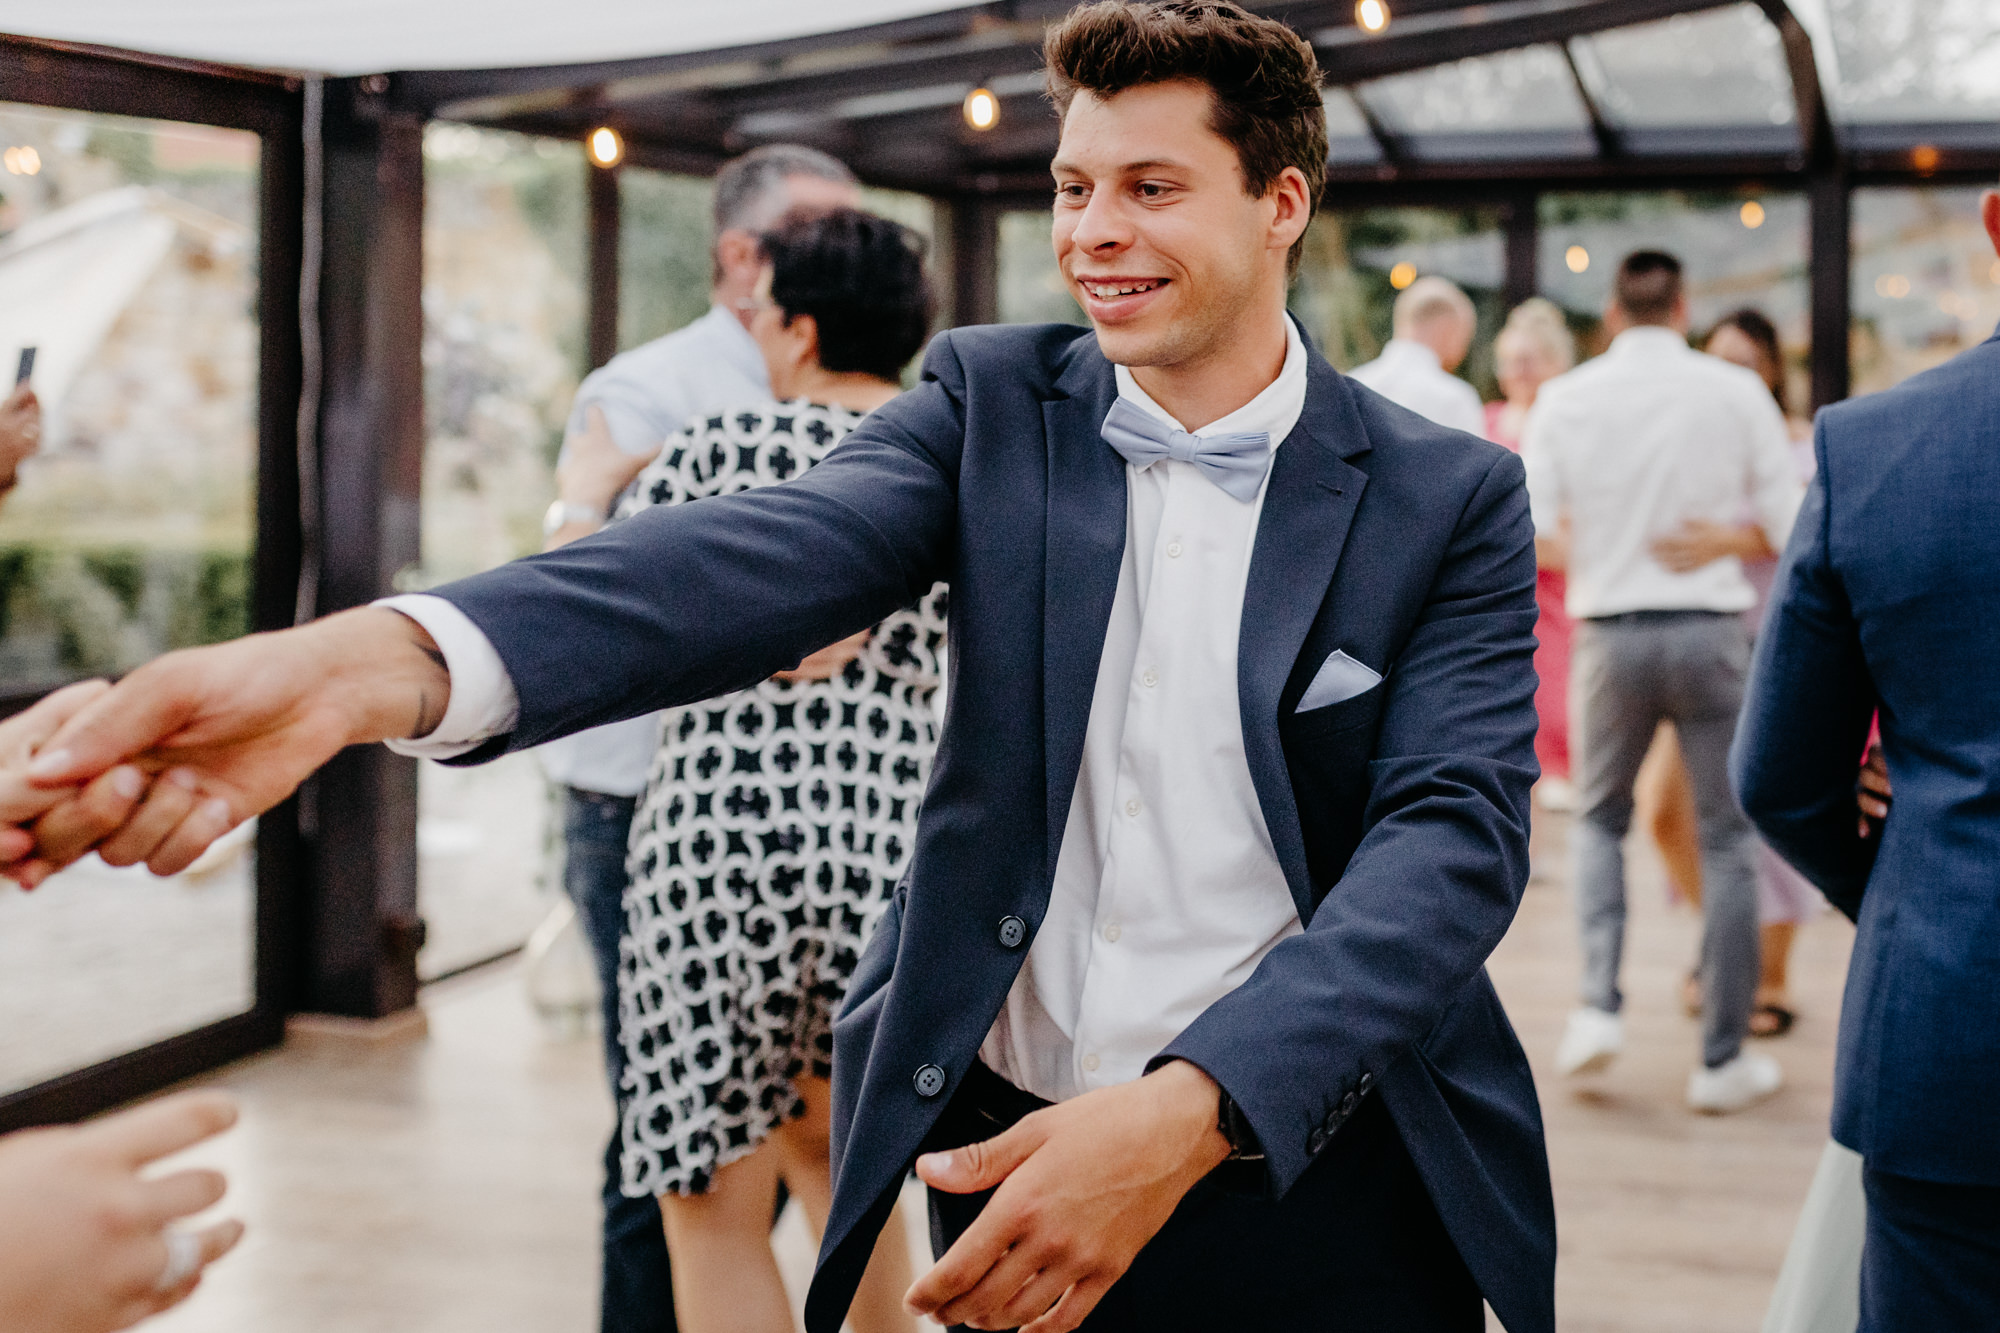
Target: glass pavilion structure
{"x": 1817, "y": 157}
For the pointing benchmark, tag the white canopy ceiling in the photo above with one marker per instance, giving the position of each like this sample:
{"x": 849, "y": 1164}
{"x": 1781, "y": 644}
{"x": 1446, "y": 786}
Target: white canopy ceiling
{"x": 369, "y": 36}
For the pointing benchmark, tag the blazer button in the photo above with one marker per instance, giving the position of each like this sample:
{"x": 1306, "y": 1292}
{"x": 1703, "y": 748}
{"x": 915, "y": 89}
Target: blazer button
{"x": 1347, "y": 1105}
{"x": 929, "y": 1080}
{"x": 1367, "y": 1082}
{"x": 1012, "y": 931}
{"x": 1315, "y": 1141}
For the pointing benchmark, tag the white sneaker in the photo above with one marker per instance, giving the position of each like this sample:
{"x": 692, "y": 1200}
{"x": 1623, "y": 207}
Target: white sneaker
{"x": 1592, "y": 1040}
{"x": 1741, "y": 1083}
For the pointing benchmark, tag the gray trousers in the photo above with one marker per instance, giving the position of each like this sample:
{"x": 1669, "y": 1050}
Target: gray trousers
{"x": 1627, "y": 674}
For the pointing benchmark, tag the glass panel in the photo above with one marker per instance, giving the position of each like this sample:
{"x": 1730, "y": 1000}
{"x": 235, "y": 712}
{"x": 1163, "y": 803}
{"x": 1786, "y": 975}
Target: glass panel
{"x": 1725, "y": 67}
{"x": 1356, "y": 260}
{"x": 504, "y": 314}
{"x": 1349, "y": 140}
{"x": 1032, "y": 290}
{"x": 1907, "y": 60}
{"x": 1730, "y": 263}
{"x": 1476, "y": 106}
{"x": 1926, "y": 284}
{"x": 128, "y": 259}
{"x": 663, "y": 266}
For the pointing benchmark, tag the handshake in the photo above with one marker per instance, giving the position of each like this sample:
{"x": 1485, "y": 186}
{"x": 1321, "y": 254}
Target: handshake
{"x": 157, "y": 767}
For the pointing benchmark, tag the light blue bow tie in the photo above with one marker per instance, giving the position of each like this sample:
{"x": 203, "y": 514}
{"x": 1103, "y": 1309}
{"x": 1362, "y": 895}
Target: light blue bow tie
{"x": 1234, "y": 462}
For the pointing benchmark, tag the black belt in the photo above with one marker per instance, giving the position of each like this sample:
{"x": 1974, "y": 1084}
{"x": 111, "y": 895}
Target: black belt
{"x": 1658, "y": 617}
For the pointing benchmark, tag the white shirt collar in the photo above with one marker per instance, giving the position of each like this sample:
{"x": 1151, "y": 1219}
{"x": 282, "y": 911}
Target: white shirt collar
{"x": 734, "y": 340}
{"x": 1648, "y": 340}
{"x": 1412, "y": 351}
{"x": 1274, "y": 411}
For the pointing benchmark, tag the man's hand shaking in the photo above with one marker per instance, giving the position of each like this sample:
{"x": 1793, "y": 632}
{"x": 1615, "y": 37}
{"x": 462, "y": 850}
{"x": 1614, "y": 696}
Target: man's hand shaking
{"x": 187, "y": 747}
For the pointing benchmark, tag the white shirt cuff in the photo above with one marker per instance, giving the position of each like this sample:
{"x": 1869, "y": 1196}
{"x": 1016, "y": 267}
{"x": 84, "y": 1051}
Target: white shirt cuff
{"x": 483, "y": 702}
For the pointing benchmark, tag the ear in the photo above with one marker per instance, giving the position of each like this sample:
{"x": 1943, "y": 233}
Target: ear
{"x": 803, "y": 333}
{"x": 1294, "y": 201}
{"x": 1989, "y": 213}
{"x": 738, "y": 256}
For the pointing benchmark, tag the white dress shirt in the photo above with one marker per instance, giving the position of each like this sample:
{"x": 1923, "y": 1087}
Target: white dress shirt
{"x": 647, "y": 395}
{"x": 1167, "y": 889}
{"x": 1410, "y": 375}
{"x": 1630, "y": 446}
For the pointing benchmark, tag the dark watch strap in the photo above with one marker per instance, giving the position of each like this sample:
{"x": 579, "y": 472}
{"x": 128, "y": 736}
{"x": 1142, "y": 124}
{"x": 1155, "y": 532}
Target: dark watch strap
{"x": 1235, "y": 1126}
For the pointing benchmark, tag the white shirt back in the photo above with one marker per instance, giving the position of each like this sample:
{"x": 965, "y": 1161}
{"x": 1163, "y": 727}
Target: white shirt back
{"x": 1167, "y": 891}
{"x": 1628, "y": 447}
{"x": 1410, "y": 375}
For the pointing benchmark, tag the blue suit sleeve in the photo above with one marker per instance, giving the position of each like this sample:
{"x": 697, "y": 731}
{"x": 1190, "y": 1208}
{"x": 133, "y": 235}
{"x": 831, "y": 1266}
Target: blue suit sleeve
{"x": 1440, "y": 868}
{"x": 1806, "y": 713}
{"x": 683, "y": 602}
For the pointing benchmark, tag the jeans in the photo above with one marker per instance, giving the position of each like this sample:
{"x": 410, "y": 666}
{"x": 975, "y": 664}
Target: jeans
{"x": 638, "y": 1293}
{"x": 1627, "y": 674}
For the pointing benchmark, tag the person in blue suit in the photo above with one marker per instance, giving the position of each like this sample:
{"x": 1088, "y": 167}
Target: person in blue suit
{"x": 1181, "y": 1010}
{"x": 1888, "y": 605}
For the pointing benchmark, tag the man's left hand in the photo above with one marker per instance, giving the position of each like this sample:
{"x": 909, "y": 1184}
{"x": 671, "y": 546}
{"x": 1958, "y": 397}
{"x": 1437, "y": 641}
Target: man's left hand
{"x": 1082, "y": 1187}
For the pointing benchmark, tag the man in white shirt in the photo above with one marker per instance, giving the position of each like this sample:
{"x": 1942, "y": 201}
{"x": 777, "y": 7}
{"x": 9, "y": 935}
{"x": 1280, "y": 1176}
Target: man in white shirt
{"x": 624, "y": 411}
{"x": 1434, "y": 327}
{"x": 1641, "y": 466}
{"x": 1181, "y": 1011}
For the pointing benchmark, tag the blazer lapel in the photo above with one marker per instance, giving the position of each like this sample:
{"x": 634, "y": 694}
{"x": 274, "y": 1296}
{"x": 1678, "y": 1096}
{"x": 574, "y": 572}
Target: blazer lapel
{"x": 1308, "y": 508}
{"x": 1086, "y": 547}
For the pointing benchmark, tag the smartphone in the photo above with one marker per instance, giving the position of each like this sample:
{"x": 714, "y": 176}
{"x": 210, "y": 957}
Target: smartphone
{"x": 26, "y": 369}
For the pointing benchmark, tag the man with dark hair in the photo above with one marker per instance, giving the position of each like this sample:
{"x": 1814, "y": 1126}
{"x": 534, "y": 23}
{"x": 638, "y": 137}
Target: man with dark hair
{"x": 1641, "y": 465}
{"x": 1181, "y": 1010}
{"x": 623, "y": 412}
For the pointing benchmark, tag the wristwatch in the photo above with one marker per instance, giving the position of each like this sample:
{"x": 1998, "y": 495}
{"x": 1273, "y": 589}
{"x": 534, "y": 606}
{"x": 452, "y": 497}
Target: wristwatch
{"x": 1235, "y": 1126}
{"x": 562, "y": 513}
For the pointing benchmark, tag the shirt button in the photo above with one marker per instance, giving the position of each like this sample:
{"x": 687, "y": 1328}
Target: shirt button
{"x": 1173, "y": 550}
{"x": 1012, "y": 931}
{"x": 1132, "y": 806}
{"x": 1111, "y": 933}
{"x": 929, "y": 1080}
{"x": 1149, "y": 678}
{"x": 1090, "y": 1063}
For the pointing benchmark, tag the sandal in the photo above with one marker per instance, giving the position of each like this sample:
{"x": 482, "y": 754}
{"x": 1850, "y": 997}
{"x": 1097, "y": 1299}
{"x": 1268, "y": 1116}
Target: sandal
{"x": 1777, "y": 1020}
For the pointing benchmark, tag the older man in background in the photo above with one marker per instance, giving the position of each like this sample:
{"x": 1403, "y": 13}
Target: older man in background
{"x": 623, "y": 413}
{"x": 1434, "y": 327}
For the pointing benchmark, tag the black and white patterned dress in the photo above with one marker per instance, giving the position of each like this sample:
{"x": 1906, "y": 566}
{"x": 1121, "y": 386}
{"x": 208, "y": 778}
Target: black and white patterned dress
{"x": 776, "y": 823}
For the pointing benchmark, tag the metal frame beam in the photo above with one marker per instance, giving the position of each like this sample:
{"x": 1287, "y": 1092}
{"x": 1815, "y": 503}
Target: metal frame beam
{"x": 603, "y": 227}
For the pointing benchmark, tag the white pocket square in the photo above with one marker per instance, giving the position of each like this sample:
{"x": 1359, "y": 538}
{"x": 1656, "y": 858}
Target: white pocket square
{"x": 1340, "y": 677}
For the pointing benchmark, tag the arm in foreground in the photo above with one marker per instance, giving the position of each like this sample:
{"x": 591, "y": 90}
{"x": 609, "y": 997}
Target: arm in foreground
{"x": 83, "y": 1244}
{"x": 1084, "y": 1185}
{"x": 1805, "y": 718}
{"x": 235, "y": 728}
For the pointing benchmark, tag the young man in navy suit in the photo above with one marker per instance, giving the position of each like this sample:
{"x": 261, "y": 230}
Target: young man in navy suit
{"x": 1887, "y": 605}
{"x": 1181, "y": 1011}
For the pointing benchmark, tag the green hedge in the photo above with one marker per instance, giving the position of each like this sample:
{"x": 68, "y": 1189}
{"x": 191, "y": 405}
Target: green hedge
{"x": 66, "y": 612}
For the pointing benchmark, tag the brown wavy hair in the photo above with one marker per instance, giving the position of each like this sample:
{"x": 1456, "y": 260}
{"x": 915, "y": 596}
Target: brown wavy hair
{"x": 1264, "y": 77}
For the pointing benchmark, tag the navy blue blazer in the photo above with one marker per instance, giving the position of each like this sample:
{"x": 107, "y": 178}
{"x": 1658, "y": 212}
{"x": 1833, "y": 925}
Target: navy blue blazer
{"x": 1889, "y": 598}
{"x": 1400, "y": 817}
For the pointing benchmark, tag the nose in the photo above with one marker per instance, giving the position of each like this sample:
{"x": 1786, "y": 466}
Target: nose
{"x": 1102, "y": 227}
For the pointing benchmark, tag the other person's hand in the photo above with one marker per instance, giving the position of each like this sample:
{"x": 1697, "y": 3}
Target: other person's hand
{"x": 829, "y": 661}
{"x": 235, "y": 728}
{"x": 1872, "y": 793}
{"x": 593, "y": 472}
{"x": 1700, "y": 542}
{"x": 20, "y": 432}
{"x": 1083, "y": 1186}
{"x": 84, "y": 1238}
{"x": 22, "y": 803}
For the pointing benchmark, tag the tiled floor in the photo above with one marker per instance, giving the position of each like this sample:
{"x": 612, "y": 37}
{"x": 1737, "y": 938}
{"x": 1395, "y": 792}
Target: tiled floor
{"x": 446, "y": 1184}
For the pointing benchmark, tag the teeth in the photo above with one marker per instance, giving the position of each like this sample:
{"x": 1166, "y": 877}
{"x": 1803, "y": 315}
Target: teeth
{"x": 1104, "y": 292}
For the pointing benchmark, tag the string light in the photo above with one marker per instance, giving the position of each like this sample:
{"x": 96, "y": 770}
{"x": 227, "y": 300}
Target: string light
{"x": 22, "y": 161}
{"x": 1925, "y": 158}
{"x": 606, "y": 148}
{"x": 1752, "y": 214}
{"x": 1577, "y": 258}
{"x": 1372, "y": 15}
{"x": 982, "y": 109}
{"x": 1402, "y": 275}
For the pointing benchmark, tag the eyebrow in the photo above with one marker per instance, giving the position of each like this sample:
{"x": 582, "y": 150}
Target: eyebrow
{"x": 1129, "y": 169}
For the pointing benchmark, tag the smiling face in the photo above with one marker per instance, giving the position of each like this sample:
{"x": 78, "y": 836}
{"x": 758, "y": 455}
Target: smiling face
{"x": 1159, "y": 240}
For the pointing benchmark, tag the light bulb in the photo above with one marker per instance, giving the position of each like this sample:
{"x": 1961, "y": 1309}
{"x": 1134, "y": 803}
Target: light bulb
{"x": 1752, "y": 214}
{"x": 606, "y": 148}
{"x": 982, "y": 109}
{"x": 1577, "y": 258}
{"x": 1372, "y": 15}
{"x": 1402, "y": 275}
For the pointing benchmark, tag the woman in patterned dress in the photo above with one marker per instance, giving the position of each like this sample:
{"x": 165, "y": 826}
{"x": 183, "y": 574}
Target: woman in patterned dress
{"x": 777, "y": 821}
